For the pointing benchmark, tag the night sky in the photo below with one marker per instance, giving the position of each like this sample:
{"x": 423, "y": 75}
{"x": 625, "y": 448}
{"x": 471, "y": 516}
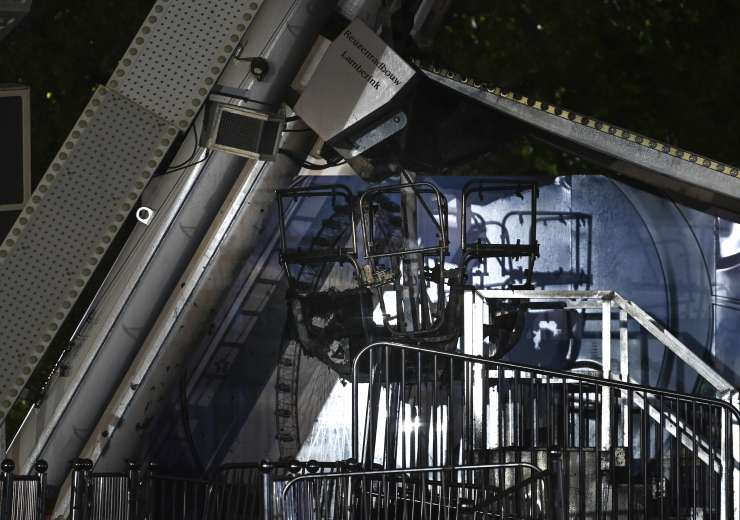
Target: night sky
{"x": 669, "y": 70}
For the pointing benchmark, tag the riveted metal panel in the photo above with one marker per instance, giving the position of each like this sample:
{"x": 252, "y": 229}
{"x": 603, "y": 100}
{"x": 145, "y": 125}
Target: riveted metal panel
{"x": 179, "y": 53}
{"x": 68, "y": 224}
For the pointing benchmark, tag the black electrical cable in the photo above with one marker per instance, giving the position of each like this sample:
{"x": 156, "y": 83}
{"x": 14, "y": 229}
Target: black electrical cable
{"x": 230, "y": 94}
{"x": 308, "y": 165}
{"x": 185, "y": 417}
{"x": 192, "y": 154}
{"x": 184, "y": 166}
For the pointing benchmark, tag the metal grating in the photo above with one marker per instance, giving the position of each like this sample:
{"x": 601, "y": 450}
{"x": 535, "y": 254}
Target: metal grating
{"x": 179, "y": 53}
{"x": 68, "y": 224}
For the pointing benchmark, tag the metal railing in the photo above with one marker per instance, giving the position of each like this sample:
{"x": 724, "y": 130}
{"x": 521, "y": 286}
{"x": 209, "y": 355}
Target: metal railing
{"x": 627, "y": 450}
{"x": 132, "y": 495}
{"x": 22, "y": 497}
{"x": 462, "y": 492}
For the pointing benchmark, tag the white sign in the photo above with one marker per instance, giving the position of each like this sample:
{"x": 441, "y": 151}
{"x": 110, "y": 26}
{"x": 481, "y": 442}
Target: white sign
{"x": 358, "y": 74}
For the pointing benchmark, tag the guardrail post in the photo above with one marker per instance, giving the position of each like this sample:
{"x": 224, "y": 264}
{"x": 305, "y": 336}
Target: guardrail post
{"x": 78, "y": 495}
{"x": 40, "y": 468}
{"x": 7, "y": 466}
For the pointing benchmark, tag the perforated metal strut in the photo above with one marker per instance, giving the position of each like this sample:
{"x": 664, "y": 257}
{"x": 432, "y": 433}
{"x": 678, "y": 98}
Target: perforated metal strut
{"x": 584, "y": 120}
{"x": 103, "y": 166}
{"x": 708, "y": 184}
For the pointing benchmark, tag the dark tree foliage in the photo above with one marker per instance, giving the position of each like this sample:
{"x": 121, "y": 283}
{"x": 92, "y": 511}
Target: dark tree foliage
{"x": 666, "y": 69}
{"x": 63, "y": 49}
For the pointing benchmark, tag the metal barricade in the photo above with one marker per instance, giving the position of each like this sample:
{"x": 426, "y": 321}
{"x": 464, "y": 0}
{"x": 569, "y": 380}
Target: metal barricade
{"x": 627, "y": 450}
{"x": 167, "y": 497}
{"x": 22, "y": 497}
{"x": 103, "y": 496}
{"x": 236, "y": 492}
{"x": 462, "y": 492}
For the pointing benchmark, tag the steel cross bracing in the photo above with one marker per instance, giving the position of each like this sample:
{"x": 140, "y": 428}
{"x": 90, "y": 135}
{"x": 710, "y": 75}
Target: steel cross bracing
{"x": 102, "y": 168}
{"x": 684, "y": 432}
{"x": 712, "y": 184}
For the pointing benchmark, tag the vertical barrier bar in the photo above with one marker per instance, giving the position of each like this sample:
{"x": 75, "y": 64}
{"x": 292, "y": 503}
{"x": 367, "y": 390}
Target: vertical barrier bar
{"x": 355, "y": 413}
{"x": 624, "y": 370}
{"x": 267, "y": 494}
{"x": 133, "y": 489}
{"x": 606, "y": 364}
{"x": 558, "y": 506}
{"x": 41, "y": 467}
{"x": 734, "y": 431}
{"x": 78, "y": 495}
{"x": 7, "y": 466}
